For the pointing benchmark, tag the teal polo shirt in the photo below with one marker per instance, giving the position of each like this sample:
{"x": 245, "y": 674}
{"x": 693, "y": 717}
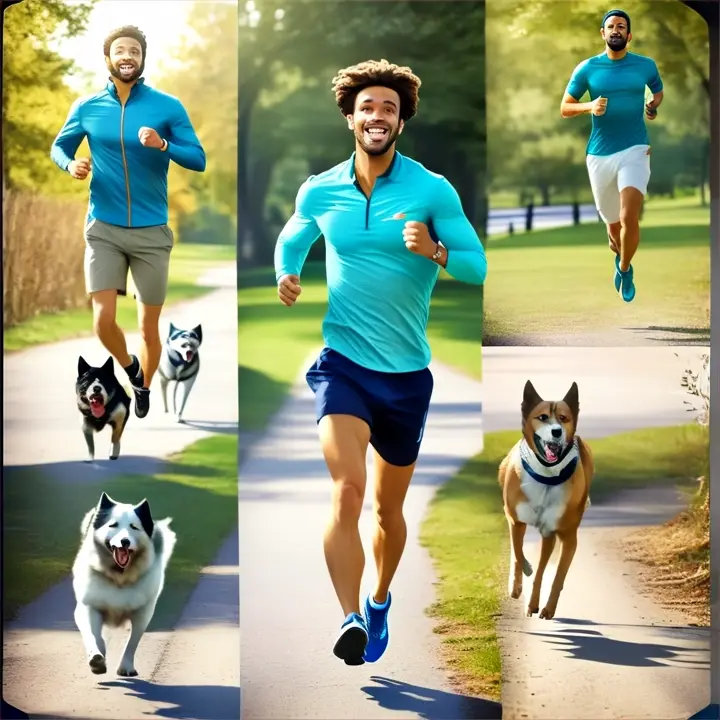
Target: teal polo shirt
{"x": 378, "y": 291}
{"x": 623, "y": 83}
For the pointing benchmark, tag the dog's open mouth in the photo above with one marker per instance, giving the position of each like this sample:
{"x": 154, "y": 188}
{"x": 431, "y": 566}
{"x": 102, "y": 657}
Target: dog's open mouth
{"x": 189, "y": 355}
{"x": 549, "y": 451}
{"x": 122, "y": 557}
{"x": 97, "y": 405}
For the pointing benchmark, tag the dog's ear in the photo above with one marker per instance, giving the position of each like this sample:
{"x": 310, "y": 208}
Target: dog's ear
{"x": 572, "y": 400}
{"x": 171, "y": 330}
{"x": 198, "y": 331}
{"x": 142, "y": 510}
{"x": 530, "y": 399}
{"x": 103, "y": 511}
{"x": 83, "y": 366}
{"x": 109, "y": 365}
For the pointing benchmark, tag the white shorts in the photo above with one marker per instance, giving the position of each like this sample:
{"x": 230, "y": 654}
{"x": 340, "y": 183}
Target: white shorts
{"x": 610, "y": 174}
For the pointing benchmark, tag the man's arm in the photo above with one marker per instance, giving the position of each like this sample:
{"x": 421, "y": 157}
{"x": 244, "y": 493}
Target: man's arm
{"x": 183, "y": 146}
{"x": 68, "y": 139}
{"x": 576, "y": 88}
{"x": 655, "y": 84}
{"x": 462, "y": 253}
{"x": 297, "y": 237}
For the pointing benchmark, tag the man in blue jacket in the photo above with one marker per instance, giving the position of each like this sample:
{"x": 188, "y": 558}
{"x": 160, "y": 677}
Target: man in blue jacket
{"x": 389, "y": 226}
{"x": 134, "y": 131}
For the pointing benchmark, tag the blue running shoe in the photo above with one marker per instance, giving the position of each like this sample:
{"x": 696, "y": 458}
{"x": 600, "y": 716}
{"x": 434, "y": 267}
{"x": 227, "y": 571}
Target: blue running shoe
{"x": 352, "y": 641}
{"x": 618, "y": 277}
{"x": 626, "y": 288}
{"x": 377, "y": 623}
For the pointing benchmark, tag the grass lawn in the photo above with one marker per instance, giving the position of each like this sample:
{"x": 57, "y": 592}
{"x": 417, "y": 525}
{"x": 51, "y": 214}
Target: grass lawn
{"x": 188, "y": 264}
{"x": 198, "y": 489}
{"x": 560, "y": 280}
{"x": 466, "y": 533}
{"x": 274, "y": 341}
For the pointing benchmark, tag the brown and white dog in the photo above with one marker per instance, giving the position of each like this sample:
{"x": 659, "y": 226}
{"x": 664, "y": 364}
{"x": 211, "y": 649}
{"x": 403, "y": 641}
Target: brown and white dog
{"x": 545, "y": 481}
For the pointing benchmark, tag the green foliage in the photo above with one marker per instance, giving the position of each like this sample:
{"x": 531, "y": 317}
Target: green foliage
{"x": 289, "y": 123}
{"x": 533, "y": 47}
{"x": 35, "y": 98}
{"x": 204, "y": 205}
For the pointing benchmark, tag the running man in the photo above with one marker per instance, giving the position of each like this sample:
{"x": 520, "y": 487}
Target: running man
{"x": 618, "y": 152}
{"x": 389, "y": 226}
{"x": 134, "y": 131}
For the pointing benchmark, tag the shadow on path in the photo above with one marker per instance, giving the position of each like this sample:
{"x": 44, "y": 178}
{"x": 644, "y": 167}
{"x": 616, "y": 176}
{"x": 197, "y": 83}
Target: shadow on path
{"x": 189, "y": 702}
{"x": 429, "y": 704}
{"x": 593, "y": 646}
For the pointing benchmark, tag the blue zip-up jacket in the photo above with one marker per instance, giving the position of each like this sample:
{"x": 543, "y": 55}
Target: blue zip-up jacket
{"x": 128, "y": 183}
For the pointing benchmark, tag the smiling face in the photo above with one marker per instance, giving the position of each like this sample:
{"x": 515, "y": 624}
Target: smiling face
{"x": 125, "y": 62}
{"x": 375, "y": 120}
{"x": 549, "y": 426}
{"x": 615, "y": 33}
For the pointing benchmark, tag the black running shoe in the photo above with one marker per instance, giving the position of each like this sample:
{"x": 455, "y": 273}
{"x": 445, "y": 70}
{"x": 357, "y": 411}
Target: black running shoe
{"x": 142, "y": 394}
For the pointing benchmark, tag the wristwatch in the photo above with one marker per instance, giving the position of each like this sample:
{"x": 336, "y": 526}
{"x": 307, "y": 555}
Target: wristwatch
{"x": 437, "y": 254}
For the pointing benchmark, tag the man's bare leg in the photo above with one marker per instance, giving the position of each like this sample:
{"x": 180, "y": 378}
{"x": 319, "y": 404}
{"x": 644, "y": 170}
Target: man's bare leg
{"x": 150, "y": 345}
{"x": 613, "y": 231}
{"x": 631, "y": 200}
{"x": 104, "y": 304}
{"x": 344, "y": 440}
{"x": 391, "y": 486}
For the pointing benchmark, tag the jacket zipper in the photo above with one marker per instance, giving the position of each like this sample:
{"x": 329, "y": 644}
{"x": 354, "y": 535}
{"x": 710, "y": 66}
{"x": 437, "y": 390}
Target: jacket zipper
{"x": 124, "y": 159}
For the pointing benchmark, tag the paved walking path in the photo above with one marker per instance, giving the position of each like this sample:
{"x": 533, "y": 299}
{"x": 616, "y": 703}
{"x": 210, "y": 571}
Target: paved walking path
{"x": 611, "y": 652}
{"x": 289, "y": 611}
{"x": 193, "y": 670}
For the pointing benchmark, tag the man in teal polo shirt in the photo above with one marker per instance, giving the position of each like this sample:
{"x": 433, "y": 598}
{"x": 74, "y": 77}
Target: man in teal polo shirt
{"x": 389, "y": 226}
{"x": 618, "y": 152}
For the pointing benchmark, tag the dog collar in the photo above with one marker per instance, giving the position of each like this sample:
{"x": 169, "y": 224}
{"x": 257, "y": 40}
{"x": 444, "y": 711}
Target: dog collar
{"x": 551, "y": 475}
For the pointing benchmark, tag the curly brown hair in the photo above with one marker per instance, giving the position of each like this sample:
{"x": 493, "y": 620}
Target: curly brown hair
{"x": 351, "y": 80}
{"x": 125, "y": 31}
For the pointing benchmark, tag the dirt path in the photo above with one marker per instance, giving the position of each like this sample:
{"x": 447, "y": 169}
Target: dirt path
{"x": 611, "y": 652}
{"x": 651, "y": 336}
{"x": 289, "y": 611}
{"x": 193, "y": 670}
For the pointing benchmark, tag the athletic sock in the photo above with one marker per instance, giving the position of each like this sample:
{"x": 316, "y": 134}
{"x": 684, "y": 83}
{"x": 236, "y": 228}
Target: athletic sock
{"x": 375, "y": 605}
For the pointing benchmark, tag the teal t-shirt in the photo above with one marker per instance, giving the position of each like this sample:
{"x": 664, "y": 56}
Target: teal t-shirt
{"x": 623, "y": 83}
{"x": 378, "y": 291}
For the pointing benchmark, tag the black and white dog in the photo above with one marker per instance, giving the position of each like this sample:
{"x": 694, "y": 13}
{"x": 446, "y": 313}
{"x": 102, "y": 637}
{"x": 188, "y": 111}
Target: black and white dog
{"x": 102, "y": 401}
{"x": 180, "y": 363}
{"x": 118, "y": 575}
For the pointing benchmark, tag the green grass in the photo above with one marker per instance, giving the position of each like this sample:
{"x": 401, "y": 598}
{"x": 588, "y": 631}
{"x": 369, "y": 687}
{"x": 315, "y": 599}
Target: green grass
{"x": 560, "y": 280}
{"x": 466, "y": 533}
{"x": 41, "y": 521}
{"x": 188, "y": 264}
{"x": 274, "y": 341}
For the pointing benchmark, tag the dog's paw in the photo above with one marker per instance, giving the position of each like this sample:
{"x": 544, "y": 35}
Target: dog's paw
{"x": 515, "y": 588}
{"x": 97, "y": 664}
{"x": 548, "y": 612}
{"x": 179, "y": 419}
{"x": 127, "y": 671}
{"x": 531, "y": 610}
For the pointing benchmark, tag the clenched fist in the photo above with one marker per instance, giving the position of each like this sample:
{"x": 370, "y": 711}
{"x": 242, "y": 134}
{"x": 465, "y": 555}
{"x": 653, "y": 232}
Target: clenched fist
{"x": 651, "y": 111}
{"x": 416, "y": 237}
{"x": 80, "y": 168}
{"x": 289, "y": 289}
{"x": 150, "y": 138}
{"x": 598, "y": 106}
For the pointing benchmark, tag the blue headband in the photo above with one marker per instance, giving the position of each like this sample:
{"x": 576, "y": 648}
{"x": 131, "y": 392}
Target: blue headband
{"x": 616, "y": 13}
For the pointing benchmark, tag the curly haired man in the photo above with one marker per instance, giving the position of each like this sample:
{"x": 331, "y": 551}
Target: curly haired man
{"x": 389, "y": 226}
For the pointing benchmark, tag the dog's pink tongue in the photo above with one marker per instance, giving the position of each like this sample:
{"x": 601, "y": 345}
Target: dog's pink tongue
{"x": 122, "y": 556}
{"x": 550, "y": 456}
{"x": 97, "y": 408}
{"x": 188, "y": 356}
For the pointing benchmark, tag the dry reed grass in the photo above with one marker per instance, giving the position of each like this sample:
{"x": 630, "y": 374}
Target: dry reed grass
{"x": 43, "y": 250}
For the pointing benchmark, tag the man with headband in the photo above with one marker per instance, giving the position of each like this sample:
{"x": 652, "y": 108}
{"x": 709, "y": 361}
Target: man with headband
{"x": 618, "y": 151}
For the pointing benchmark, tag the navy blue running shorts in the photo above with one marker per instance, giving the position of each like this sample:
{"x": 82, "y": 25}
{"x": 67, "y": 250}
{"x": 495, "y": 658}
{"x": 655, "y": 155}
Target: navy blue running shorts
{"x": 394, "y": 405}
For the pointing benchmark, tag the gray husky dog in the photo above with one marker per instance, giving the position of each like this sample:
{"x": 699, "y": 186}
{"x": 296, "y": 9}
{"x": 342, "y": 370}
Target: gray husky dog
{"x": 118, "y": 575}
{"x": 180, "y": 363}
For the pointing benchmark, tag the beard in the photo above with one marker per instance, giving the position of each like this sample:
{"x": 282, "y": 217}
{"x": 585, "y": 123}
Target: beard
{"x": 114, "y": 69}
{"x": 380, "y": 146}
{"x": 616, "y": 43}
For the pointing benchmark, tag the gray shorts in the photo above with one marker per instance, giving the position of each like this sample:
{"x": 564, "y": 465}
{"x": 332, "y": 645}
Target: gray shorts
{"x": 111, "y": 250}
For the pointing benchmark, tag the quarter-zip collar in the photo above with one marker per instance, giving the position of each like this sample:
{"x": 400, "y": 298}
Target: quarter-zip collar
{"x": 112, "y": 90}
